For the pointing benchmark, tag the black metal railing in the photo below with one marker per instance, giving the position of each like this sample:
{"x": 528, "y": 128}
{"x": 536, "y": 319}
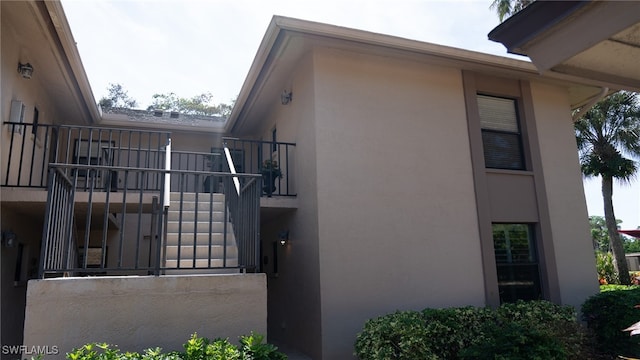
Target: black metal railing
{"x": 244, "y": 205}
{"x": 58, "y": 252}
{"x": 33, "y": 146}
{"x": 125, "y": 232}
{"x": 259, "y": 157}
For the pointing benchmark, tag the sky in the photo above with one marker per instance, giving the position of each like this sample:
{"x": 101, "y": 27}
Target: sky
{"x": 191, "y": 47}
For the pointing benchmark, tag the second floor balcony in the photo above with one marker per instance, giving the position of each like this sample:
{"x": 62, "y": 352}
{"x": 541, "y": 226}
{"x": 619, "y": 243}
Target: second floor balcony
{"x": 32, "y": 148}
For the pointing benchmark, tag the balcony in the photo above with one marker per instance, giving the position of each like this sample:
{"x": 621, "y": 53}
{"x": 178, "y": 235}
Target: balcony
{"x": 114, "y": 205}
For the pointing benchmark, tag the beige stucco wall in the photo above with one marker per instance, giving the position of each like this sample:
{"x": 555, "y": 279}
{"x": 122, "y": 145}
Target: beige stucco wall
{"x": 31, "y": 92}
{"x": 567, "y": 207}
{"x": 141, "y": 312}
{"x": 294, "y": 292}
{"x": 16, "y": 47}
{"x": 396, "y": 205}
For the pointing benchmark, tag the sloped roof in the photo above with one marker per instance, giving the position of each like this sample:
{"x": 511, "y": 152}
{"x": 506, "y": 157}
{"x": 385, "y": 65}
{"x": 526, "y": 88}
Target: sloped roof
{"x": 597, "y": 40}
{"x": 287, "y": 39}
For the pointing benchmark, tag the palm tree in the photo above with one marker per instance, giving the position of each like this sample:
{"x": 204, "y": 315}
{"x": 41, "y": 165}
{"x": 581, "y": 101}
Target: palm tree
{"x": 506, "y": 8}
{"x": 605, "y": 135}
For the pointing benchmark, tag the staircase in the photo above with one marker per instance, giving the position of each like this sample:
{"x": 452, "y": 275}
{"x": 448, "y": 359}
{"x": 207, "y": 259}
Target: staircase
{"x": 206, "y": 237}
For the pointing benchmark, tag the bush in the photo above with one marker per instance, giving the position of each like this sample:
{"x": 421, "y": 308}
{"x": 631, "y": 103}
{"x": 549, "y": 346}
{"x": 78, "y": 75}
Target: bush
{"x": 605, "y": 268}
{"x": 400, "y": 335}
{"x": 516, "y": 341}
{"x": 606, "y": 314}
{"x": 196, "y": 348}
{"x": 523, "y": 330}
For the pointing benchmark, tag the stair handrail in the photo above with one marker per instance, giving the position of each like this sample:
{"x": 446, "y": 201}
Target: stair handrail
{"x": 167, "y": 174}
{"x": 232, "y": 168}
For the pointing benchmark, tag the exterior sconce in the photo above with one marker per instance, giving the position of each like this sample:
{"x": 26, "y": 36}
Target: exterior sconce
{"x": 286, "y": 97}
{"x": 9, "y": 239}
{"x": 25, "y": 70}
{"x": 283, "y": 237}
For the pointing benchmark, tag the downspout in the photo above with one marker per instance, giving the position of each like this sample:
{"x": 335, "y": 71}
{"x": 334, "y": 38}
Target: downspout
{"x": 581, "y": 110}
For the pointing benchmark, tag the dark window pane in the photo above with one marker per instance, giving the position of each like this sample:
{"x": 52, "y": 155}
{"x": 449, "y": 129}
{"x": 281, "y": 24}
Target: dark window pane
{"x": 518, "y": 282}
{"x": 502, "y": 150}
{"x": 516, "y": 262}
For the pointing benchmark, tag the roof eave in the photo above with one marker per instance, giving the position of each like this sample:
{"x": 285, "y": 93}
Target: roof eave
{"x": 534, "y": 20}
{"x": 68, "y": 44}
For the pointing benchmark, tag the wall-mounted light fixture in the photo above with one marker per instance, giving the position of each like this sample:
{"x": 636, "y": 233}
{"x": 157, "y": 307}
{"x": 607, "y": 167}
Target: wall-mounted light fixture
{"x": 25, "y": 70}
{"x": 283, "y": 237}
{"x": 286, "y": 96}
{"x": 9, "y": 239}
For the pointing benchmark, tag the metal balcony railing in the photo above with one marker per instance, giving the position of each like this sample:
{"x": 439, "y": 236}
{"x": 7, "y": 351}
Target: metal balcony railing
{"x": 125, "y": 232}
{"x": 259, "y": 157}
{"x": 32, "y": 147}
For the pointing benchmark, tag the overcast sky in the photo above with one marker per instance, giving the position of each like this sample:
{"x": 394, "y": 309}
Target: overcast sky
{"x": 190, "y": 47}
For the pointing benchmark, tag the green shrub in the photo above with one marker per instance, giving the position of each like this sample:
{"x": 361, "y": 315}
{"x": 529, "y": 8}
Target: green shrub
{"x": 605, "y": 268}
{"x": 453, "y": 329}
{"x": 606, "y": 314}
{"x": 523, "y": 330}
{"x": 401, "y": 335}
{"x": 516, "y": 341}
{"x": 549, "y": 320}
{"x": 196, "y": 348}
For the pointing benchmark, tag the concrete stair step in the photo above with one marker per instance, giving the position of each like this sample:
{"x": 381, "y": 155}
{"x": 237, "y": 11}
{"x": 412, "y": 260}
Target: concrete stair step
{"x": 202, "y": 252}
{"x": 200, "y": 226}
{"x": 201, "y": 263}
{"x": 190, "y": 215}
{"x": 216, "y": 197}
{"x": 191, "y": 206}
{"x": 200, "y": 239}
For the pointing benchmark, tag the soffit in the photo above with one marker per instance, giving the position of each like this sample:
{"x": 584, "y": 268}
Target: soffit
{"x": 38, "y": 42}
{"x": 614, "y": 58}
{"x": 597, "y": 40}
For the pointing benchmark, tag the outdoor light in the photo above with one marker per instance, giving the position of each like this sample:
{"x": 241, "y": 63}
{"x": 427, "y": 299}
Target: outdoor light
{"x": 26, "y": 70}
{"x": 9, "y": 238}
{"x": 283, "y": 236}
{"x": 286, "y": 97}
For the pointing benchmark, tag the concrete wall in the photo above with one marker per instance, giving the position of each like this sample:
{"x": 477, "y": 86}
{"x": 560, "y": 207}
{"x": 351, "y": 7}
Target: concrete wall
{"x": 567, "y": 207}
{"x": 396, "y": 208}
{"x": 136, "y": 313}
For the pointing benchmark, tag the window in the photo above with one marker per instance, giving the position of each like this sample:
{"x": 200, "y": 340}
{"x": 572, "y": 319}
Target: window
{"x": 501, "y": 137}
{"x": 516, "y": 262}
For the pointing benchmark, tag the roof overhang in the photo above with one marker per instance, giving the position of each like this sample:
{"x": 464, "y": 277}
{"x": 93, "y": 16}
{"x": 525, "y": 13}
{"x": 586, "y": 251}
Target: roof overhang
{"x": 44, "y": 36}
{"x": 598, "y": 40}
{"x": 287, "y": 40}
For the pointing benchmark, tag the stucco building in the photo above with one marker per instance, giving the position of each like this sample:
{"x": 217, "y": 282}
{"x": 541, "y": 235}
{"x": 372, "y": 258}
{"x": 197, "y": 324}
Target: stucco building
{"x": 413, "y": 175}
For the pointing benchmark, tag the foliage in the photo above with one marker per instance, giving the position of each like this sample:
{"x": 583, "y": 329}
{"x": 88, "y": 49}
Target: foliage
{"x": 606, "y": 314}
{"x": 522, "y": 330}
{"x": 196, "y": 348}
{"x": 631, "y": 245}
{"x": 401, "y": 335}
{"x": 606, "y": 135}
{"x": 271, "y": 166}
{"x": 254, "y": 349}
{"x": 198, "y": 105}
{"x": 606, "y": 270}
{"x": 615, "y": 287}
{"x": 118, "y": 98}
{"x": 599, "y": 233}
{"x": 516, "y": 341}
{"x": 506, "y": 8}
